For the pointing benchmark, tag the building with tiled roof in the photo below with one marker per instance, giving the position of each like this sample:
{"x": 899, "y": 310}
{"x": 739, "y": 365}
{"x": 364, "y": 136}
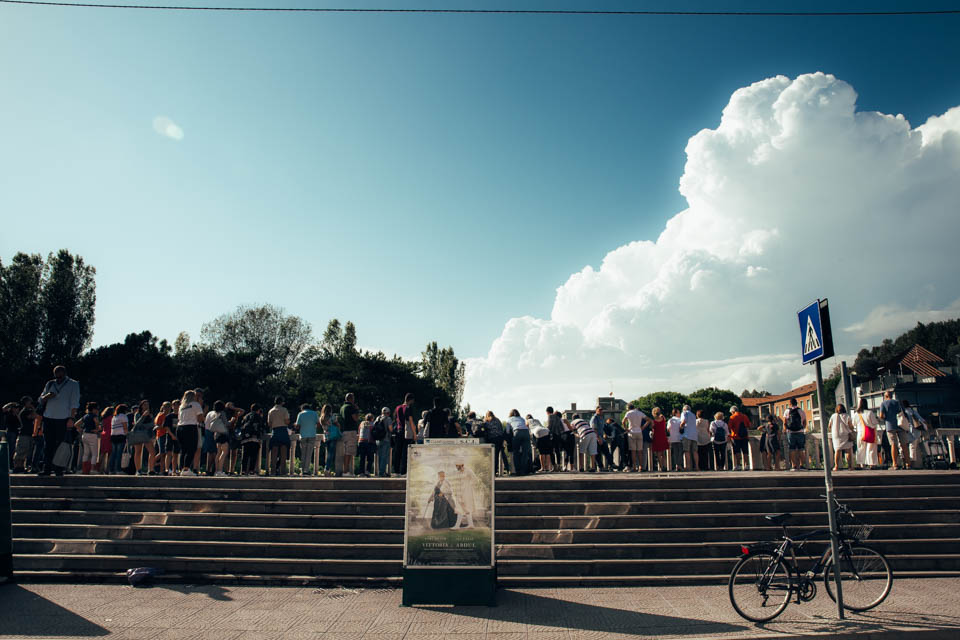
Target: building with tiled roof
{"x": 917, "y": 375}
{"x": 759, "y": 408}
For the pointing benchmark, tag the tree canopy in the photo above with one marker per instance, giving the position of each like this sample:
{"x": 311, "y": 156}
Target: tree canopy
{"x": 942, "y": 338}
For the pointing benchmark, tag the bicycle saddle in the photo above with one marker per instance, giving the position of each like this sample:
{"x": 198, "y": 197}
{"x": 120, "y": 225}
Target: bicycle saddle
{"x": 779, "y": 518}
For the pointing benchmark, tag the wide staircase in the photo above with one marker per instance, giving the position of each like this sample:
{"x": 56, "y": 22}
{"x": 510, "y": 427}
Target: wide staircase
{"x": 555, "y": 530}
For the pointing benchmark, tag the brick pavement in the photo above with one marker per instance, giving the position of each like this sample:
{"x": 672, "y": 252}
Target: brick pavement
{"x": 916, "y": 609}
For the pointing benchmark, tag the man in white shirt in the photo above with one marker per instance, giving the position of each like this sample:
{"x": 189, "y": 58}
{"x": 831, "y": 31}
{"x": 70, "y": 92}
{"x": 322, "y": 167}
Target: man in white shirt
{"x": 689, "y": 441}
{"x": 634, "y": 422}
{"x": 675, "y": 438}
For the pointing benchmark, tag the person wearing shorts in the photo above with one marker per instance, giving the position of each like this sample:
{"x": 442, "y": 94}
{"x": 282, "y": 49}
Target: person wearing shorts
{"x": 349, "y": 423}
{"x": 278, "y": 421}
{"x": 634, "y": 421}
{"x": 795, "y": 423}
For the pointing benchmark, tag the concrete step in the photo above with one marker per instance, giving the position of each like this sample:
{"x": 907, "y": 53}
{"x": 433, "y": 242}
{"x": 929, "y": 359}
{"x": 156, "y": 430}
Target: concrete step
{"x": 723, "y": 480}
{"x": 702, "y": 520}
{"x": 649, "y": 580}
{"x": 107, "y": 518}
{"x": 346, "y": 508}
{"x": 208, "y": 549}
{"x": 699, "y": 534}
{"x": 261, "y": 564}
{"x": 505, "y": 537}
{"x": 210, "y": 494}
{"x": 695, "y": 550}
{"x": 775, "y": 505}
{"x": 685, "y": 566}
{"x": 206, "y": 533}
{"x": 204, "y": 506}
{"x": 676, "y": 495}
{"x": 209, "y": 482}
{"x": 193, "y": 577}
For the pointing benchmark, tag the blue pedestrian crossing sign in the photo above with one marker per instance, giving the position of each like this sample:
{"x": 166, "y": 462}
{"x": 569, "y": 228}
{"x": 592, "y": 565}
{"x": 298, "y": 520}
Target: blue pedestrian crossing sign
{"x": 816, "y": 340}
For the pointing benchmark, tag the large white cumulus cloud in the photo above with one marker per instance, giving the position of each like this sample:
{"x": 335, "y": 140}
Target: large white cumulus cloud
{"x": 795, "y": 195}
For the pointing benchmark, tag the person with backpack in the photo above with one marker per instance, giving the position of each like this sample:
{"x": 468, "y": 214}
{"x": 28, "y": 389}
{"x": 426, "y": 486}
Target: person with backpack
{"x": 718, "y": 433}
{"x": 251, "y": 433}
{"x": 770, "y": 446}
{"x": 740, "y": 438}
{"x": 404, "y": 433}
{"x": 382, "y": 428}
{"x": 795, "y": 423}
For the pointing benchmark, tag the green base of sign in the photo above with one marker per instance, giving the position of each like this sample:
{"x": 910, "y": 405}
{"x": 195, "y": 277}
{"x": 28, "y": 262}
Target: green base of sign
{"x": 450, "y": 586}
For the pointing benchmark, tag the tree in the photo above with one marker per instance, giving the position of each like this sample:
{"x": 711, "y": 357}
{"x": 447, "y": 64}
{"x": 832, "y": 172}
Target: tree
{"x": 711, "y": 400}
{"x": 20, "y": 311}
{"x": 67, "y": 301}
{"x": 264, "y": 335}
{"x": 755, "y": 394}
{"x": 332, "y": 339}
{"x": 444, "y": 369}
{"x": 348, "y": 344}
{"x": 182, "y": 344}
{"x": 665, "y": 400}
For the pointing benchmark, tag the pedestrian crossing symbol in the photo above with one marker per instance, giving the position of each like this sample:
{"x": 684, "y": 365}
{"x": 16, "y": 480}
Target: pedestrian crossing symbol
{"x": 812, "y": 342}
{"x": 816, "y": 340}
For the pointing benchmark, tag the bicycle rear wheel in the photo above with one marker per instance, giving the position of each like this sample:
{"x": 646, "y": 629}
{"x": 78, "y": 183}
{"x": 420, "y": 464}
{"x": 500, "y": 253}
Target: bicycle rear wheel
{"x": 866, "y": 575}
{"x": 760, "y": 586}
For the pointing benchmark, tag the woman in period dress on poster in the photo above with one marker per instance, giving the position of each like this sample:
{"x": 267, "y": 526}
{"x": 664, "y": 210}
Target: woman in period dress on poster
{"x": 444, "y": 515}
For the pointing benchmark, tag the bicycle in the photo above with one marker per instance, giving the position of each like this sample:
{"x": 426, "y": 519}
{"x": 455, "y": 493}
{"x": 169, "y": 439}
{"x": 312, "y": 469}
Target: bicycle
{"x": 767, "y": 575}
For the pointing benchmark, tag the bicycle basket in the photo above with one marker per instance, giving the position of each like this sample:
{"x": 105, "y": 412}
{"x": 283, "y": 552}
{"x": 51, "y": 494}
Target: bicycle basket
{"x": 858, "y": 531}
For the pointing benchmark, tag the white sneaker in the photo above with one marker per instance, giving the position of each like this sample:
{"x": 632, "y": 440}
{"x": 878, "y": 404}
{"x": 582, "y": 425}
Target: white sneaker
{"x": 187, "y": 472}
{"x": 220, "y": 474}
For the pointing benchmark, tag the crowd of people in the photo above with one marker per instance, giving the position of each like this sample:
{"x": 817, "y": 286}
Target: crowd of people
{"x": 188, "y": 436}
{"x": 889, "y": 437}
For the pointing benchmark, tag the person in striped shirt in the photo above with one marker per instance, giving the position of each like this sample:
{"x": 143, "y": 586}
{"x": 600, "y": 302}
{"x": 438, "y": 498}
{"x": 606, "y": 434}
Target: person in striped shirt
{"x": 587, "y": 439}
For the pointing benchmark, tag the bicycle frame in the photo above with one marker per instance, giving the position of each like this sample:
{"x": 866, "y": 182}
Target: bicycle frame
{"x": 786, "y": 552}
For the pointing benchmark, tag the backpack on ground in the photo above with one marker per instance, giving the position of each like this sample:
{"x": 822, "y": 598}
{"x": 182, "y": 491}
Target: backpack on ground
{"x": 379, "y": 431}
{"x": 794, "y": 422}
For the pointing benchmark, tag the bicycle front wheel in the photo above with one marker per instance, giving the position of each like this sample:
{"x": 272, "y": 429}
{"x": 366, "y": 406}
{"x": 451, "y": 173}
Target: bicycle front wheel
{"x": 866, "y": 575}
{"x": 760, "y": 586}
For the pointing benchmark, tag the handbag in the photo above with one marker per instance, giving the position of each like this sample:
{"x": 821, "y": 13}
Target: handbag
{"x": 126, "y": 458}
{"x": 141, "y": 433}
{"x": 62, "y": 456}
{"x": 219, "y": 425}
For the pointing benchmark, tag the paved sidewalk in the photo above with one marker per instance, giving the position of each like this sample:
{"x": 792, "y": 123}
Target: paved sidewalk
{"x": 916, "y": 609}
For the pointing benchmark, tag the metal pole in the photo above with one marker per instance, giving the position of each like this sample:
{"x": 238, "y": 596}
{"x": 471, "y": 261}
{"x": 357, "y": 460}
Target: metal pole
{"x": 6, "y": 517}
{"x": 831, "y": 514}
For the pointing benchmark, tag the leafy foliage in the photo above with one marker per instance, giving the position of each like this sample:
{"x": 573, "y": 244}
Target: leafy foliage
{"x": 265, "y": 335}
{"x": 666, "y": 400}
{"x": 712, "y": 400}
{"x": 755, "y": 394}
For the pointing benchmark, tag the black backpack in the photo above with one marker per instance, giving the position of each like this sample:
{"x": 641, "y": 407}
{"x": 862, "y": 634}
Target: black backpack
{"x": 794, "y": 423}
{"x": 379, "y": 429}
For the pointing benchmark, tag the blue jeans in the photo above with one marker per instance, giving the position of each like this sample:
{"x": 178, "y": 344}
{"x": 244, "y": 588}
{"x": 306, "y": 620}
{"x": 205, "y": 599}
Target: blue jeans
{"x": 117, "y": 444}
{"x": 522, "y": 452}
{"x": 332, "y": 455}
{"x": 383, "y": 456}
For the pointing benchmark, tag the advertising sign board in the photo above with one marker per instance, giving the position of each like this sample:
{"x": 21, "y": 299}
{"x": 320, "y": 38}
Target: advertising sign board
{"x": 448, "y": 519}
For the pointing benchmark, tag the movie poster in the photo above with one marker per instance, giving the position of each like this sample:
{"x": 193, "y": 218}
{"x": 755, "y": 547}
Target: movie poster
{"x": 449, "y": 510}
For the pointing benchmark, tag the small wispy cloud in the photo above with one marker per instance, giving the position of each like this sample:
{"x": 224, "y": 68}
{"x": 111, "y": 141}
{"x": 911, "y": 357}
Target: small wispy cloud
{"x": 167, "y": 128}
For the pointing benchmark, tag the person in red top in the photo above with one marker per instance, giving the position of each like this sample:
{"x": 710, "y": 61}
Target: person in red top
{"x": 740, "y": 438}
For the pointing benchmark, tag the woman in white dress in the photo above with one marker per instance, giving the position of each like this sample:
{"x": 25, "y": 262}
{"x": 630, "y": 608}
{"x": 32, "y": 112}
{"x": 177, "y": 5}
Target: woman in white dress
{"x": 867, "y": 425}
{"x": 842, "y": 434}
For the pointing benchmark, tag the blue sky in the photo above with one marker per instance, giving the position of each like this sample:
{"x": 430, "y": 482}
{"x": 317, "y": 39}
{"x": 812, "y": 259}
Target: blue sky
{"x": 426, "y": 176}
